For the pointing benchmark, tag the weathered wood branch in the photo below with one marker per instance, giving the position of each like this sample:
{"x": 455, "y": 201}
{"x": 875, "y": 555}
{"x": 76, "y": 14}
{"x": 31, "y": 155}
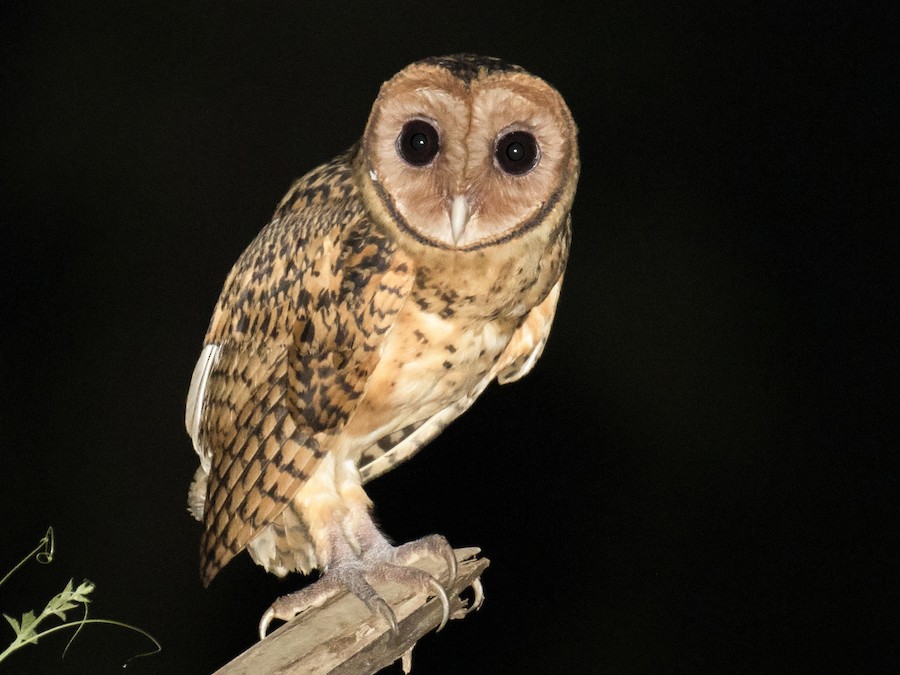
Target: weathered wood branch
{"x": 344, "y": 638}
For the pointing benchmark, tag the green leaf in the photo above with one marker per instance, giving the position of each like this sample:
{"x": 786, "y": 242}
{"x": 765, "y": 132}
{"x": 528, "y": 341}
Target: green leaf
{"x": 28, "y": 622}
{"x": 85, "y": 588}
{"x": 13, "y": 623}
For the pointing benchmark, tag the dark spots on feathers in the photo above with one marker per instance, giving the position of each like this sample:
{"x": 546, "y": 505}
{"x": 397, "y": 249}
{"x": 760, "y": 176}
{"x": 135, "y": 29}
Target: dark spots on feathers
{"x": 288, "y": 467}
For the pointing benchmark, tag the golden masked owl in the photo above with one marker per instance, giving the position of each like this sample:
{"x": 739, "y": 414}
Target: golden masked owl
{"x": 393, "y": 284}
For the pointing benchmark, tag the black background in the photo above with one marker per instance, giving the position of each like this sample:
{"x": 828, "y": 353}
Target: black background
{"x": 698, "y": 475}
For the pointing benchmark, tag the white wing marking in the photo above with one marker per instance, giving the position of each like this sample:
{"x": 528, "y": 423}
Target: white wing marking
{"x": 194, "y": 409}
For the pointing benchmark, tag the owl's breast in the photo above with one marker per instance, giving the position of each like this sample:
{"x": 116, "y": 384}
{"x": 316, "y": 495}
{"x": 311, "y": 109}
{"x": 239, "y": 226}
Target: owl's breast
{"x": 457, "y": 321}
{"x": 428, "y": 364}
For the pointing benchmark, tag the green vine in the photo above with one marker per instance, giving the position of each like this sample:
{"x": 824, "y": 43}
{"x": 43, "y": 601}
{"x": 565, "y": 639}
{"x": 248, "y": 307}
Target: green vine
{"x": 71, "y": 597}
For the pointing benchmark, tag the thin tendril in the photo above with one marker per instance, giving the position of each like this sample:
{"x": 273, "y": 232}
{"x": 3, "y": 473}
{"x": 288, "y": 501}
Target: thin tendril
{"x": 81, "y": 623}
{"x": 111, "y": 623}
{"x": 44, "y": 556}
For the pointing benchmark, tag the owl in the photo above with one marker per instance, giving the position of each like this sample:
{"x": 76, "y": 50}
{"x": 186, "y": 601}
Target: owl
{"x": 392, "y": 285}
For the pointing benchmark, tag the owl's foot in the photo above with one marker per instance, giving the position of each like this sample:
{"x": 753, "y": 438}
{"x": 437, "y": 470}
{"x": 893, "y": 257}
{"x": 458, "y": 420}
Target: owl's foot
{"x": 434, "y": 545}
{"x": 380, "y": 562}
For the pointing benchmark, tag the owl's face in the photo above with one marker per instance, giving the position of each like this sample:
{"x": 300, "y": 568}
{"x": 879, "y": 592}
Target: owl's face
{"x": 467, "y": 151}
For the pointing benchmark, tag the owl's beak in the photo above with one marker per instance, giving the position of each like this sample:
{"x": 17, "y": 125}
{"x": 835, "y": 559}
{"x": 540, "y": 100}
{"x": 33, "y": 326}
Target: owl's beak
{"x": 459, "y": 216}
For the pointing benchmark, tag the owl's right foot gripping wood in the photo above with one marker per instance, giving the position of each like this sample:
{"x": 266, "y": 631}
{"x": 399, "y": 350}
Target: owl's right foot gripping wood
{"x": 378, "y": 562}
{"x": 343, "y": 637}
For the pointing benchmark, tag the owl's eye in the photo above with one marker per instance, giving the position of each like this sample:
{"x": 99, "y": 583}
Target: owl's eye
{"x": 418, "y": 143}
{"x": 517, "y": 152}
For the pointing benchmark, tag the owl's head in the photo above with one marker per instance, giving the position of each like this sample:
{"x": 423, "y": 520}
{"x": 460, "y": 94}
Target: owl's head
{"x": 466, "y": 151}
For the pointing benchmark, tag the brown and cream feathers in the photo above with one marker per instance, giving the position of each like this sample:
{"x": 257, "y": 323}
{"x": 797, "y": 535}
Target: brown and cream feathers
{"x": 355, "y": 327}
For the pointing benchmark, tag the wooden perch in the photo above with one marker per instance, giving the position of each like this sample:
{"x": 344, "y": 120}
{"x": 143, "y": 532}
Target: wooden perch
{"x": 344, "y": 637}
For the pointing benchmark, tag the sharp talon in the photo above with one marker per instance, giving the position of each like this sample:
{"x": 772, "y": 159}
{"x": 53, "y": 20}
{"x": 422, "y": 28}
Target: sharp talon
{"x": 264, "y": 623}
{"x": 450, "y": 558}
{"x": 445, "y": 603}
{"x": 380, "y": 607}
{"x": 478, "y": 600}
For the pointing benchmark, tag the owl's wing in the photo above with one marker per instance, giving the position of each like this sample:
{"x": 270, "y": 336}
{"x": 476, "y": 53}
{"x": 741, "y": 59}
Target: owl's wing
{"x": 270, "y": 408}
{"x": 527, "y": 343}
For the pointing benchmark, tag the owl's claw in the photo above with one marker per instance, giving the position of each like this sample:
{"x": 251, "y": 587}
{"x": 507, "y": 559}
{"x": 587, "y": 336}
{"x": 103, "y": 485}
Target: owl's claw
{"x": 317, "y": 594}
{"x": 380, "y": 607}
{"x": 450, "y": 559}
{"x": 445, "y": 603}
{"x": 478, "y": 600}
{"x": 264, "y": 623}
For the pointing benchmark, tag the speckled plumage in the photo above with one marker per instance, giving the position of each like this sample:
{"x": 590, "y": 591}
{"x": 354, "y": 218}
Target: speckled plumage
{"x": 346, "y": 337}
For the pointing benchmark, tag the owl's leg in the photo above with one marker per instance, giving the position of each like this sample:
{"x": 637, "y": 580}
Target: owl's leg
{"x": 356, "y": 556}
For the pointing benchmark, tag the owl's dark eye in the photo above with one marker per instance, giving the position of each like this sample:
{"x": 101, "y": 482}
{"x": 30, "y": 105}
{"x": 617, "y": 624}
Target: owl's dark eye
{"x": 418, "y": 142}
{"x": 517, "y": 152}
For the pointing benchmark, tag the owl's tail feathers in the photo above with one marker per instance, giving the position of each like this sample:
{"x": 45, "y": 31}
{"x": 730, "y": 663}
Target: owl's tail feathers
{"x": 284, "y": 546}
{"x": 197, "y": 493}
